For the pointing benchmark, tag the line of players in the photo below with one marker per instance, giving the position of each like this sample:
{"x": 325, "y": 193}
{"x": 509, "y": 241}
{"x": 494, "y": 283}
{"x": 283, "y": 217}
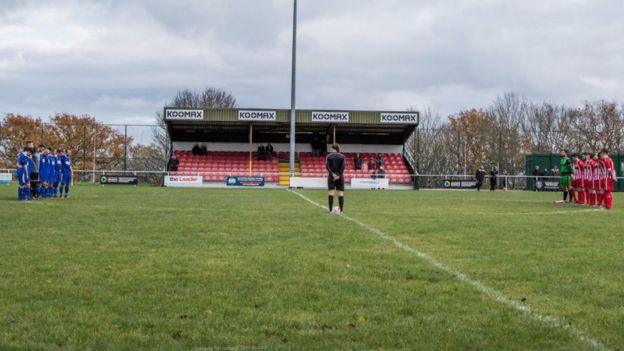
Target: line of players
{"x": 43, "y": 173}
{"x": 593, "y": 179}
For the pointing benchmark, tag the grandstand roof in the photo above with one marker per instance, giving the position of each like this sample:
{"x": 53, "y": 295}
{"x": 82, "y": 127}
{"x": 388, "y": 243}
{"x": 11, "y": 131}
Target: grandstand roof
{"x": 272, "y": 125}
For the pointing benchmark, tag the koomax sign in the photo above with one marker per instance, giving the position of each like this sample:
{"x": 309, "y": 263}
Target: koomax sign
{"x": 252, "y": 115}
{"x": 399, "y": 118}
{"x": 330, "y": 117}
{"x": 184, "y": 114}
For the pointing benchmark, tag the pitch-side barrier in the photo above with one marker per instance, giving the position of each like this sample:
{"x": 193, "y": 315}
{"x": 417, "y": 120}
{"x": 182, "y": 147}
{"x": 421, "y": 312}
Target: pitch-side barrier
{"x": 318, "y": 179}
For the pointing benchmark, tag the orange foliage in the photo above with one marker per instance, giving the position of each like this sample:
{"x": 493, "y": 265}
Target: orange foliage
{"x": 83, "y": 136}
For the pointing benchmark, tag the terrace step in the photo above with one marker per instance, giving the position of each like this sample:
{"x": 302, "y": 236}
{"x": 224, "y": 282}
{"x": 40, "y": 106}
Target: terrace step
{"x": 284, "y": 170}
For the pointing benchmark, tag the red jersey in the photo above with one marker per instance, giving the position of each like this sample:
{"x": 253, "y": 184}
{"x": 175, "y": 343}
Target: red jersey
{"x": 608, "y": 169}
{"x": 588, "y": 172}
{"x": 597, "y": 167}
{"x": 599, "y": 175}
{"x": 578, "y": 168}
{"x": 577, "y": 174}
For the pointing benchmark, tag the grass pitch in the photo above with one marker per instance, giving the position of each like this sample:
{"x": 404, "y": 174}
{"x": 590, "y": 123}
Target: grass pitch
{"x": 127, "y": 268}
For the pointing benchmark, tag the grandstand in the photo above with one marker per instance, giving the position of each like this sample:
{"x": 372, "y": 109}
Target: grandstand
{"x": 231, "y": 138}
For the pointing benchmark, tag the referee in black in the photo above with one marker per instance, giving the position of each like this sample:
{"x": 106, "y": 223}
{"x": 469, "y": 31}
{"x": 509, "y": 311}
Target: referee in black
{"x": 335, "y": 164}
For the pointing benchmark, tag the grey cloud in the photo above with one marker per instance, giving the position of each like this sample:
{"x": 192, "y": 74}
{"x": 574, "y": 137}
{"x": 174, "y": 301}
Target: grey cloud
{"x": 120, "y": 60}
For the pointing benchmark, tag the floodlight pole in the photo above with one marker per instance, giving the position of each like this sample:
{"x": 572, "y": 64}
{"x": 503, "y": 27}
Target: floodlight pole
{"x": 293, "y": 87}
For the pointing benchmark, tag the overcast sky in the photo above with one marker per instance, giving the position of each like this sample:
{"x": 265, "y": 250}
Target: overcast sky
{"x": 121, "y": 60}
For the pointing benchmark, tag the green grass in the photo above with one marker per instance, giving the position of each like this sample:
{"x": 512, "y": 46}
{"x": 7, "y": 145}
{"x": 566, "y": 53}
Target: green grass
{"x": 127, "y": 268}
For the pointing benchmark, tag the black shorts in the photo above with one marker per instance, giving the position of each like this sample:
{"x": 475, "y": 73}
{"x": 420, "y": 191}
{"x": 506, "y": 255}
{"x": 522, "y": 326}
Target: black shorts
{"x": 34, "y": 176}
{"x": 337, "y": 184}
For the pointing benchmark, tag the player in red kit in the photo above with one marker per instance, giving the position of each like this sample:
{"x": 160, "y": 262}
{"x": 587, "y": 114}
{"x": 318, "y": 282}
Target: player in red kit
{"x": 578, "y": 169}
{"x": 599, "y": 177}
{"x": 588, "y": 181}
{"x": 596, "y": 170}
{"x": 609, "y": 178}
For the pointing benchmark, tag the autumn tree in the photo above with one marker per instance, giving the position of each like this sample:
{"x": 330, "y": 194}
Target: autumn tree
{"x": 14, "y": 131}
{"x": 84, "y": 137}
{"x": 472, "y": 139}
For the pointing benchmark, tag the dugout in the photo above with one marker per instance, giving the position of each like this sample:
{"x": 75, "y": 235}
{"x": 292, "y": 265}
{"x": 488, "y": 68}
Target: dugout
{"x": 239, "y": 133}
{"x": 551, "y": 161}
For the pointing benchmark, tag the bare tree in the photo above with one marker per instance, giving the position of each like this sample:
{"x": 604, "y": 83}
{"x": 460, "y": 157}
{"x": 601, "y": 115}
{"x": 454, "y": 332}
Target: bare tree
{"x": 430, "y": 151}
{"x": 207, "y": 98}
{"x": 510, "y": 115}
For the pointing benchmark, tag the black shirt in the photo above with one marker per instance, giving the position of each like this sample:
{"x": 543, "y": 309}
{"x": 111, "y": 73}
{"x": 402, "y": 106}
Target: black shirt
{"x": 480, "y": 175}
{"x": 335, "y": 163}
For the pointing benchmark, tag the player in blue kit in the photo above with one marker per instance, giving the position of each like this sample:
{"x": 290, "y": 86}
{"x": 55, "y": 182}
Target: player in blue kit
{"x": 44, "y": 173}
{"x": 67, "y": 171}
{"x": 57, "y": 172}
{"x": 52, "y": 173}
{"x": 23, "y": 174}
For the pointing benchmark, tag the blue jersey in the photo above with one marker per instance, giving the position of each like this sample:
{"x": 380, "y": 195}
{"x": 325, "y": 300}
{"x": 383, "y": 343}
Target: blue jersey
{"x": 44, "y": 168}
{"x": 65, "y": 164}
{"x": 52, "y": 172}
{"x": 23, "y": 168}
{"x": 66, "y": 169}
{"x": 23, "y": 162}
{"x": 57, "y": 168}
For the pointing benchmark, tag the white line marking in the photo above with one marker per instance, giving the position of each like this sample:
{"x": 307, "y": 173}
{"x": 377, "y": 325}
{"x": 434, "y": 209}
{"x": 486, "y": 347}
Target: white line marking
{"x": 542, "y": 213}
{"x": 535, "y": 213}
{"x": 493, "y": 294}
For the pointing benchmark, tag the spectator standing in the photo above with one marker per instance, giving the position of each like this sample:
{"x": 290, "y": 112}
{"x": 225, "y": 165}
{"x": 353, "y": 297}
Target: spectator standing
{"x": 506, "y": 183}
{"x": 261, "y": 152}
{"x": 536, "y": 174}
{"x": 314, "y": 144}
{"x": 379, "y": 161}
{"x": 269, "y": 151}
{"x": 493, "y": 176}
{"x": 196, "y": 149}
{"x": 173, "y": 164}
{"x": 381, "y": 173}
{"x": 372, "y": 166}
{"x": 322, "y": 145}
{"x": 480, "y": 176}
{"x": 357, "y": 162}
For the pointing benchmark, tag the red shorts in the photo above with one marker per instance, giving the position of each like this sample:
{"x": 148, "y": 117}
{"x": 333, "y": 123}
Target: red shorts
{"x": 588, "y": 184}
{"x": 577, "y": 183}
{"x": 609, "y": 185}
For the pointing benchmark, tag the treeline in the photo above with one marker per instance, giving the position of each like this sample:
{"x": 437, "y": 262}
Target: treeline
{"x": 503, "y": 132}
{"x": 510, "y": 128}
{"x": 86, "y": 139}
{"x": 91, "y": 142}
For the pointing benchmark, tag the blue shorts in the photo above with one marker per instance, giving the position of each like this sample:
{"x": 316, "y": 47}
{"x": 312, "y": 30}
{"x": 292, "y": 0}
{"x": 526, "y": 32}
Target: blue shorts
{"x": 66, "y": 178}
{"x": 43, "y": 177}
{"x": 23, "y": 177}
